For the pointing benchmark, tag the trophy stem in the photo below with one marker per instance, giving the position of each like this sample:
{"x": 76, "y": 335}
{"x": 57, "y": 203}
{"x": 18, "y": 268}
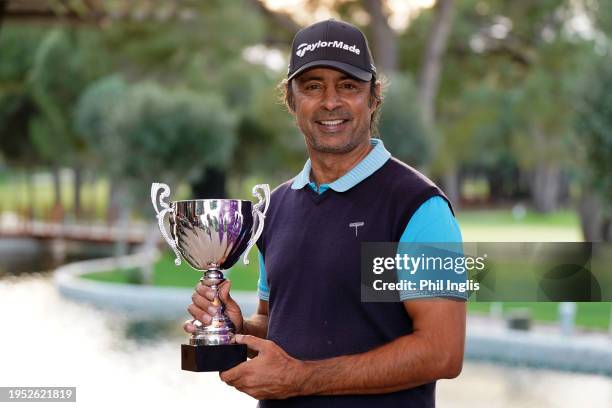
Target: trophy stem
{"x": 212, "y": 347}
{"x": 221, "y": 330}
{"x": 217, "y": 301}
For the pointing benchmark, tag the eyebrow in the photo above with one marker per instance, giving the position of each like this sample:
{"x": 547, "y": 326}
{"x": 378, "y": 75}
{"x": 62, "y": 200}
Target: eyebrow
{"x": 307, "y": 78}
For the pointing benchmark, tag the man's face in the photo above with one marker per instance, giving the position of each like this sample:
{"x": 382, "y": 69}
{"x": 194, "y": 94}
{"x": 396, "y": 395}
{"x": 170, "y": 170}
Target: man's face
{"x": 332, "y": 110}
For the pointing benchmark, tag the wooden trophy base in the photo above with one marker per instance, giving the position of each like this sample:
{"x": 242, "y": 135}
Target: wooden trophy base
{"x": 212, "y": 358}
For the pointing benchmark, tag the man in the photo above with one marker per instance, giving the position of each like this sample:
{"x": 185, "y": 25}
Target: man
{"x": 317, "y": 343}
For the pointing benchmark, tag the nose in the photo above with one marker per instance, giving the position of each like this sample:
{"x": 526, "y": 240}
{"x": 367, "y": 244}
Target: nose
{"x": 331, "y": 99}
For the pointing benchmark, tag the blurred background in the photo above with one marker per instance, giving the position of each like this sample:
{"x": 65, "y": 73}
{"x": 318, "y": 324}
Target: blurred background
{"x": 506, "y": 105}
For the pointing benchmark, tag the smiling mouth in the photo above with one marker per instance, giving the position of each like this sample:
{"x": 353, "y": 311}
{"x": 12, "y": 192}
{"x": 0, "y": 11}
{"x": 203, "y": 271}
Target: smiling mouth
{"x": 331, "y": 123}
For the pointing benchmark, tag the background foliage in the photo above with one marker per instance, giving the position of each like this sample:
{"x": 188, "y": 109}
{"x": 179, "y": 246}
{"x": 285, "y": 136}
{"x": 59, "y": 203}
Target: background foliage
{"x": 187, "y": 92}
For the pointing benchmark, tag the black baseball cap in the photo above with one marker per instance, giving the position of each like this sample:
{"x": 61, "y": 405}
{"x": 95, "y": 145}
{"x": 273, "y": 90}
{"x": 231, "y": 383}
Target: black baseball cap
{"x": 334, "y": 44}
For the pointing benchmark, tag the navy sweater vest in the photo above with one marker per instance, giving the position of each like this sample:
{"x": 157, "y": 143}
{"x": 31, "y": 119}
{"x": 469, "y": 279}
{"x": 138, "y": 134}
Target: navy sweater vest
{"x": 312, "y": 261}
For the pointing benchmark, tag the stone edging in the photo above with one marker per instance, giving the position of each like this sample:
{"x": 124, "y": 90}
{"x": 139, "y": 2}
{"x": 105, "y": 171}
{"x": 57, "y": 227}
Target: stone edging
{"x": 539, "y": 348}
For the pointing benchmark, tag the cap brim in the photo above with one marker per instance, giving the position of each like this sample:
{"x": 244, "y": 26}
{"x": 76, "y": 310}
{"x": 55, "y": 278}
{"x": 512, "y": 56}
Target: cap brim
{"x": 351, "y": 70}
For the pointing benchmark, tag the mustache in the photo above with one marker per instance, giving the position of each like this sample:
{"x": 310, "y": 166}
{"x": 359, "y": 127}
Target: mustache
{"x": 333, "y": 115}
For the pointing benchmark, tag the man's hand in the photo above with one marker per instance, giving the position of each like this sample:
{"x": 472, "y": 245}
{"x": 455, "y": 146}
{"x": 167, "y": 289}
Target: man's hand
{"x": 273, "y": 374}
{"x": 203, "y": 307}
{"x": 434, "y": 350}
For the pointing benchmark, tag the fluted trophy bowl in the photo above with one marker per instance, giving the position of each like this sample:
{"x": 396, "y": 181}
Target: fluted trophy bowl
{"x": 211, "y": 235}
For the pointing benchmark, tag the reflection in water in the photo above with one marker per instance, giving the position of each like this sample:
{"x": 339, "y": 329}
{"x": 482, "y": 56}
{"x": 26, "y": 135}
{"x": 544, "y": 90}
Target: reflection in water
{"x": 148, "y": 331}
{"x": 21, "y": 255}
{"x": 48, "y": 341}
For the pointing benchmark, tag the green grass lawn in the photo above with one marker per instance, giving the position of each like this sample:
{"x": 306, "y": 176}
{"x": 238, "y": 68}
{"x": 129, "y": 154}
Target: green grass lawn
{"x": 500, "y": 226}
{"x": 15, "y": 195}
{"x": 94, "y": 193}
{"x": 243, "y": 277}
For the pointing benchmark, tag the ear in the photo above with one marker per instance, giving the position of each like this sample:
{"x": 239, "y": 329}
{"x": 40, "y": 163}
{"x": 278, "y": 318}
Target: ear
{"x": 377, "y": 91}
{"x": 290, "y": 97}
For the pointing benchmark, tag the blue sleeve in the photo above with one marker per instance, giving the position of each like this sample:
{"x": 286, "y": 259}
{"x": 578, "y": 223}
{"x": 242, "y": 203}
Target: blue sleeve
{"x": 262, "y": 286}
{"x": 433, "y": 221}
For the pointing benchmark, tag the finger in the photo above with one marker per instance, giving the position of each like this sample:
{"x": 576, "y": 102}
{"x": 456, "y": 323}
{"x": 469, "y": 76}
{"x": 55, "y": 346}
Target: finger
{"x": 252, "y": 342}
{"x": 199, "y": 314}
{"x": 224, "y": 290}
{"x": 189, "y": 327}
{"x": 232, "y": 375}
{"x": 205, "y": 291}
{"x": 227, "y": 376}
{"x": 208, "y": 293}
{"x": 200, "y": 301}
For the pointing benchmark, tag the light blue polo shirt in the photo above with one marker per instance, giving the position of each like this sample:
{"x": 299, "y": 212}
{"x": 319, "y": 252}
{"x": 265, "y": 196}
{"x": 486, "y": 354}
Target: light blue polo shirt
{"x": 433, "y": 221}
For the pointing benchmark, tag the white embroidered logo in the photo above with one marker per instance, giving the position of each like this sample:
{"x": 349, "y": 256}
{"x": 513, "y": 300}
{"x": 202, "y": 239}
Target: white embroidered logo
{"x": 356, "y": 225}
{"x": 304, "y": 47}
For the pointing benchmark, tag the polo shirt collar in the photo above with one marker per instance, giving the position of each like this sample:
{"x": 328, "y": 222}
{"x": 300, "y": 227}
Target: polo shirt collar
{"x": 377, "y": 157}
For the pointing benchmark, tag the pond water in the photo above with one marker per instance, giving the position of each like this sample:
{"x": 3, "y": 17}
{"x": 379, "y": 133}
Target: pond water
{"x": 22, "y": 255}
{"x": 49, "y": 341}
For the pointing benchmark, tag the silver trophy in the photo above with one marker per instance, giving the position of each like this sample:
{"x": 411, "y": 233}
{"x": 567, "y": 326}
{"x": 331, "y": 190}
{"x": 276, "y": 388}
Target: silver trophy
{"x": 211, "y": 235}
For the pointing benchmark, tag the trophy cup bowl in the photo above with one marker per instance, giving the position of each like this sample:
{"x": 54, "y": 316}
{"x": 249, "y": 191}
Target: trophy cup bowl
{"x": 211, "y": 235}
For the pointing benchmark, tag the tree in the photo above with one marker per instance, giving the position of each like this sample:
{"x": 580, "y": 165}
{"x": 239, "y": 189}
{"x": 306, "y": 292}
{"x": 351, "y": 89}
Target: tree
{"x": 203, "y": 53}
{"x": 507, "y": 47}
{"x": 144, "y": 132}
{"x": 3, "y": 4}
{"x": 401, "y": 124}
{"x": 429, "y": 79}
{"x": 543, "y": 131}
{"x": 594, "y": 127}
{"x": 17, "y": 107}
{"x": 384, "y": 39}
{"x": 270, "y": 140}
{"x": 64, "y": 64}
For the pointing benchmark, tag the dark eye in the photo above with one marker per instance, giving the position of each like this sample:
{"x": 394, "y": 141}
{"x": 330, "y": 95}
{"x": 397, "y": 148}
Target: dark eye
{"x": 348, "y": 85}
{"x": 312, "y": 86}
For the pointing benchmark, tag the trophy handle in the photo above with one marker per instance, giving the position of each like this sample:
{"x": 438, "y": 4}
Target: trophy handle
{"x": 259, "y": 214}
{"x": 166, "y": 209}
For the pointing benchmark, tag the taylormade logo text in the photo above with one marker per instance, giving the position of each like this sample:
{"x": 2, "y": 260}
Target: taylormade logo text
{"x": 302, "y": 48}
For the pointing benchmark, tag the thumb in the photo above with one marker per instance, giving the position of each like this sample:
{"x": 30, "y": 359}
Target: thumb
{"x": 224, "y": 291}
{"x": 252, "y": 342}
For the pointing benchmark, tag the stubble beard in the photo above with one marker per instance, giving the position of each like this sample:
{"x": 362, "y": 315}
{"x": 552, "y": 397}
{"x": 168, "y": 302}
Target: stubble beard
{"x": 314, "y": 143}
